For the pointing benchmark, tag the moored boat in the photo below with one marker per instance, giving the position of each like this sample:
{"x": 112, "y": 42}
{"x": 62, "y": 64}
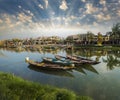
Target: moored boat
{"x": 62, "y": 58}
{"x": 83, "y": 60}
{"x": 48, "y": 66}
{"x": 77, "y": 59}
{"x": 57, "y": 61}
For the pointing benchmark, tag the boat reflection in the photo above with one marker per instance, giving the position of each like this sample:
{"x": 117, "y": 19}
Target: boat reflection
{"x": 65, "y": 73}
{"x": 87, "y": 67}
{"x": 62, "y": 73}
{"x": 80, "y": 69}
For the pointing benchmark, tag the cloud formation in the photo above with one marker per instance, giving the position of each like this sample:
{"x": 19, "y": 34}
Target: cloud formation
{"x": 63, "y": 5}
{"x": 83, "y": 0}
{"x": 40, "y": 6}
{"x": 46, "y": 3}
{"x": 102, "y": 17}
{"x": 103, "y": 2}
{"x": 90, "y": 8}
{"x": 39, "y": 17}
{"x": 1, "y": 21}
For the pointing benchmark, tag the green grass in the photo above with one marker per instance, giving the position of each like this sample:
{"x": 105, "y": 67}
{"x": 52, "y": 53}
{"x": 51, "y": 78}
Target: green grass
{"x": 15, "y": 88}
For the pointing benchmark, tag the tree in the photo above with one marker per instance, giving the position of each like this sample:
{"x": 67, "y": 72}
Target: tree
{"x": 90, "y": 36}
{"x": 116, "y": 32}
{"x": 100, "y": 39}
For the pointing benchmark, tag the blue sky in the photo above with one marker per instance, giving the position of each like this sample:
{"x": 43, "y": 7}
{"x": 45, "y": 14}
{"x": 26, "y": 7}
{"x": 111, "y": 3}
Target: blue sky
{"x": 33, "y": 18}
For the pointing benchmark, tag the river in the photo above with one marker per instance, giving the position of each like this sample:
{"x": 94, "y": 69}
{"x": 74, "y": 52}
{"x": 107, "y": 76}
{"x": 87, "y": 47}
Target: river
{"x": 100, "y": 81}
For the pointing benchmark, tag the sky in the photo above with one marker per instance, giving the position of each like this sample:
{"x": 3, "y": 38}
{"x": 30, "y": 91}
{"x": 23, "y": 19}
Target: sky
{"x": 35, "y": 18}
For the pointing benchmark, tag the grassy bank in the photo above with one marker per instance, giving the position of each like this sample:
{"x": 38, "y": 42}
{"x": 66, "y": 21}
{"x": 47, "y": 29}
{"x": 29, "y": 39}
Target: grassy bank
{"x": 15, "y": 88}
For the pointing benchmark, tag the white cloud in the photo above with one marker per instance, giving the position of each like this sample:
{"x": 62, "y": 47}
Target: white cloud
{"x": 83, "y": 16}
{"x": 73, "y": 17}
{"x": 8, "y": 20}
{"x": 46, "y": 3}
{"x": 119, "y": 1}
{"x": 19, "y": 7}
{"x": 28, "y": 12}
{"x": 83, "y": 0}
{"x": 52, "y": 13}
{"x": 63, "y": 6}
{"x": 78, "y": 24}
{"x": 95, "y": 23}
{"x": 1, "y": 21}
{"x": 118, "y": 13}
{"x": 90, "y": 9}
{"x": 105, "y": 9}
{"x": 103, "y": 2}
{"x": 24, "y": 18}
{"x": 102, "y": 17}
{"x": 36, "y": 25}
{"x": 40, "y": 6}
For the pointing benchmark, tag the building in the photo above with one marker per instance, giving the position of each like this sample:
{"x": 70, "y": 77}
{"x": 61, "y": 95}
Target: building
{"x": 73, "y": 38}
{"x": 47, "y": 40}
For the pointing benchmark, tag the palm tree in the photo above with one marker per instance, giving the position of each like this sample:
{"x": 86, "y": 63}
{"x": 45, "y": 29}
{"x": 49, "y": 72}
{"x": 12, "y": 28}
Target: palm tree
{"x": 116, "y": 32}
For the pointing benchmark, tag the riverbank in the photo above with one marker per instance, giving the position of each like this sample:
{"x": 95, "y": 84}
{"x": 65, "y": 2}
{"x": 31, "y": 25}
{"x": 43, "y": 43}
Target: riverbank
{"x": 15, "y": 88}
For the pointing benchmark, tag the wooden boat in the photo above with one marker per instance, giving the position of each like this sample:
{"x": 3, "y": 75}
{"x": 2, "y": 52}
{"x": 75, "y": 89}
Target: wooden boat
{"x": 56, "y": 61}
{"x": 47, "y": 66}
{"x": 77, "y": 59}
{"x": 82, "y": 58}
{"x": 61, "y": 58}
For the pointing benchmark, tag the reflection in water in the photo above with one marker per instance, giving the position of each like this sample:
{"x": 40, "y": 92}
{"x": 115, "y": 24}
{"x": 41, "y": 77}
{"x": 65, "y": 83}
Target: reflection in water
{"x": 112, "y": 62}
{"x": 90, "y": 68}
{"x": 57, "y": 73}
{"x": 2, "y": 54}
{"x": 67, "y": 72}
{"x": 80, "y": 69}
{"x": 40, "y": 50}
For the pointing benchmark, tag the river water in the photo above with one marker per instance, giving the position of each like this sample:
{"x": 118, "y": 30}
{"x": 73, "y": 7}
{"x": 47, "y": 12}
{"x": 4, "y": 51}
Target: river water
{"x": 100, "y": 81}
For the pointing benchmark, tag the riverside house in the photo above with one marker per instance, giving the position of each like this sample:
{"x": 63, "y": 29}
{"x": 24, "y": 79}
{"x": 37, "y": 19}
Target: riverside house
{"x": 47, "y": 40}
{"x": 86, "y": 39}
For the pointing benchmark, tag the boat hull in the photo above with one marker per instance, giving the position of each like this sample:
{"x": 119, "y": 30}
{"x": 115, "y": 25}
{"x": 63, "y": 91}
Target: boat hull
{"x": 77, "y": 60}
{"x": 45, "y": 66}
{"x": 55, "y": 61}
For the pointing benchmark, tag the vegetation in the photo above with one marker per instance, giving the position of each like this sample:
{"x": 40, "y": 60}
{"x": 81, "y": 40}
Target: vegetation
{"x": 15, "y": 88}
{"x": 100, "y": 39}
{"x": 116, "y": 30}
{"x": 90, "y": 36}
{"x": 115, "y": 34}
